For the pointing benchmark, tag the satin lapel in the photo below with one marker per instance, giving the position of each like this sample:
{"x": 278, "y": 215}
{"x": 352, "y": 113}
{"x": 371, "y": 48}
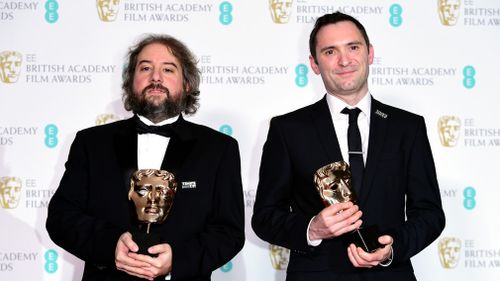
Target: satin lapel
{"x": 322, "y": 119}
{"x": 179, "y": 147}
{"x": 125, "y": 144}
{"x": 378, "y": 133}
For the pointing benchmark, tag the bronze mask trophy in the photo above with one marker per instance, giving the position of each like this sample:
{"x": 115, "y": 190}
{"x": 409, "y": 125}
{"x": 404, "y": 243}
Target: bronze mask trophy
{"x": 333, "y": 183}
{"x": 152, "y": 192}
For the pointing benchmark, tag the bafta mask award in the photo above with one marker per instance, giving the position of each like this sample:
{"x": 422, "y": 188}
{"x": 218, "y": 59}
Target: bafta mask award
{"x": 152, "y": 192}
{"x": 333, "y": 183}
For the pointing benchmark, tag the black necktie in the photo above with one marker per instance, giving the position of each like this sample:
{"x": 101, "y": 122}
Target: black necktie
{"x": 355, "y": 148}
{"x": 165, "y": 130}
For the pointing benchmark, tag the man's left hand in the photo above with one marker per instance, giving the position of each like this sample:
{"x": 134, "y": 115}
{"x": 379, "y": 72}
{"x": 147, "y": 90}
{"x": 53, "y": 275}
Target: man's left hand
{"x": 360, "y": 258}
{"x": 160, "y": 265}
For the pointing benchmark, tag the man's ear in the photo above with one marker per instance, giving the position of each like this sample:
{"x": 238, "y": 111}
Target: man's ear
{"x": 371, "y": 54}
{"x": 314, "y": 65}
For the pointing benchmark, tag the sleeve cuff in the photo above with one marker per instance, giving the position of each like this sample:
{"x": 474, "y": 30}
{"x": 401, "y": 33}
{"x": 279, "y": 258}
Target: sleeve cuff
{"x": 388, "y": 261}
{"x": 313, "y": 243}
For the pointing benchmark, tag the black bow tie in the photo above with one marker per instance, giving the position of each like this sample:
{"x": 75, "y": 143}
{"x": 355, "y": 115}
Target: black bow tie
{"x": 165, "y": 130}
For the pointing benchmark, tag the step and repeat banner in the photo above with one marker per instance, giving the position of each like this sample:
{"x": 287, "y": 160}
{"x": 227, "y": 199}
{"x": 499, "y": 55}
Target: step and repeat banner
{"x": 60, "y": 72}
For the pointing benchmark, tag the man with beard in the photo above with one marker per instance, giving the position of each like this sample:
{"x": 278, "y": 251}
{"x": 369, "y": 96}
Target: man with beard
{"x": 90, "y": 214}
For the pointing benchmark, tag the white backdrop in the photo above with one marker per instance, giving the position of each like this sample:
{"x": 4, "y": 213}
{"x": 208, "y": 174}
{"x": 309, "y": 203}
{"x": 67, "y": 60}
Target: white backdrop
{"x": 60, "y": 71}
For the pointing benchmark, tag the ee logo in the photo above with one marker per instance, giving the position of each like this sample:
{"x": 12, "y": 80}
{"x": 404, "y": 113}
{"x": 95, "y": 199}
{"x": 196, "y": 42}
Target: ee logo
{"x": 51, "y": 135}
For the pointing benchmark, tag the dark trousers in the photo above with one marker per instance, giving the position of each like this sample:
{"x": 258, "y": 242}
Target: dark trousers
{"x": 385, "y": 275}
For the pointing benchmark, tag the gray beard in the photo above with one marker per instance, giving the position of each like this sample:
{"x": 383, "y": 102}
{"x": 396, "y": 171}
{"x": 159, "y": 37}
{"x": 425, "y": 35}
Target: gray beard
{"x": 156, "y": 113}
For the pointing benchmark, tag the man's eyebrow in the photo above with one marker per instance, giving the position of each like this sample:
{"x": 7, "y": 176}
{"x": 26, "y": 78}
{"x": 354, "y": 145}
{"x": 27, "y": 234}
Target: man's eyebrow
{"x": 166, "y": 62}
{"x": 353, "y": 43}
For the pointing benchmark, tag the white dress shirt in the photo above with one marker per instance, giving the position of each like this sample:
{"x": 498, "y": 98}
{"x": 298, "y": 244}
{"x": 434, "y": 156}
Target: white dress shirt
{"x": 341, "y": 122}
{"x": 151, "y": 148}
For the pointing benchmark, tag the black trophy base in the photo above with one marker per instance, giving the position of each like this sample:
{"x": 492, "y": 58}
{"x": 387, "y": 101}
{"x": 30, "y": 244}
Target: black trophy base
{"x": 144, "y": 241}
{"x": 367, "y": 238}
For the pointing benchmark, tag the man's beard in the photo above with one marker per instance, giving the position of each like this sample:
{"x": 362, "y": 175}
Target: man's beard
{"x": 146, "y": 106}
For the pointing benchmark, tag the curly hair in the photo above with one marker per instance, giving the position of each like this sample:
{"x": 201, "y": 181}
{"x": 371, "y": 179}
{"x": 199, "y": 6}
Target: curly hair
{"x": 190, "y": 72}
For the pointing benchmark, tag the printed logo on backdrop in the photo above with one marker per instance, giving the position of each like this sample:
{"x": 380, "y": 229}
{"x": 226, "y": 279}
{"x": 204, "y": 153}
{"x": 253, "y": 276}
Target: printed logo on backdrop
{"x": 449, "y": 130}
{"x": 396, "y": 20}
{"x": 452, "y": 127}
{"x": 249, "y": 197}
{"x": 10, "y": 10}
{"x": 448, "y": 193}
{"x": 51, "y": 257}
{"x": 240, "y": 74}
{"x": 158, "y": 10}
{"x": 39, "y": 70}
{"x": 226, "y": 129}
{"x": 455, "y": 253}
{"x": 9, "y": 260}
{"x": 106, "y": 118}
{"x": 51, "y": 8}
{"x": 415, "y": 76}
{"x": 449, "y": 11}
{"x": 9, "y": 135}
{"x": 281, "y": 10}
{"x": 449, "y": 251}
{"x": 469, "y": 80}
{"x": 51, "y": 139}
{"x": 301, "y": 71}
{"x": 226, "y": 16}
{"x": 279, "y": 257}
{"x": 11, "y": 193}
{"x": 468, "y": 13}
{"x": 307, "y": 11}
{"x": 467, "y": 200}
{"x": 108, "y": 9}
{"x": 227, "y": 267}
{"x": 10, "y": 66}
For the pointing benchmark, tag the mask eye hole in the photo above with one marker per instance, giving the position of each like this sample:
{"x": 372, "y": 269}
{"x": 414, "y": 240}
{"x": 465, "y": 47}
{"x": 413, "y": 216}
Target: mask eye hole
{"x": 142, "y": 191}
{"x": 161, "y": 192}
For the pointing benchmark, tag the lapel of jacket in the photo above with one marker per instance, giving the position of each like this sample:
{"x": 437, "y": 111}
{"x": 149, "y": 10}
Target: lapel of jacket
{"x": 322, "y": 120}
{"x": 125, "y": 145}
{"x": 179, "y": 146}
{"x": 378, "y": 132}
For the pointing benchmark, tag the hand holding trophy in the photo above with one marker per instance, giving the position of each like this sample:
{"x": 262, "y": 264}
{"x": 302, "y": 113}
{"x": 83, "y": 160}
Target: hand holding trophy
{"x": 152, "y": 192}
{"x": 333, "y": 183}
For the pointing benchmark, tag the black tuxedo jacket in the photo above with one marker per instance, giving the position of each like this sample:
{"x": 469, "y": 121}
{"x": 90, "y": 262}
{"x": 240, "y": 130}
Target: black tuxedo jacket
{"x": 399, "y": 174}
{"x": 90, "y": 209}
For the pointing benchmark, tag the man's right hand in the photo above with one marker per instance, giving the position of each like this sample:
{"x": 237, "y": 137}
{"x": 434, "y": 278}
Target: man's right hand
{"x": 334, "y": 221}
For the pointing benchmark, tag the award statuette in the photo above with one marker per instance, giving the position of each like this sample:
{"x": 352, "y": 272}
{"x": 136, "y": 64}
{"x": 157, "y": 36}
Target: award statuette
{"x": 152, "y": 192}
{"x": 333, "y": 183}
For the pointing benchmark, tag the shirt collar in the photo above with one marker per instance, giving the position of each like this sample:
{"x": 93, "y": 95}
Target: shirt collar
{"x": 164, "y": 122}
{"x": 336, "y": 105}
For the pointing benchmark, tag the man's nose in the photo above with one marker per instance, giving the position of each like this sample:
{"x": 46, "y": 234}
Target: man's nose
{"x": 344, "y": 58}
{"x": 156, "y": 76}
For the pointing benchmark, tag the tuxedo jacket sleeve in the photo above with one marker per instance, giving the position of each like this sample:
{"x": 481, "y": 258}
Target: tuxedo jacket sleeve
{"x": 76, "y": 220}
{"x": 400, "y": 193}
{"x": 90, "y": 209}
